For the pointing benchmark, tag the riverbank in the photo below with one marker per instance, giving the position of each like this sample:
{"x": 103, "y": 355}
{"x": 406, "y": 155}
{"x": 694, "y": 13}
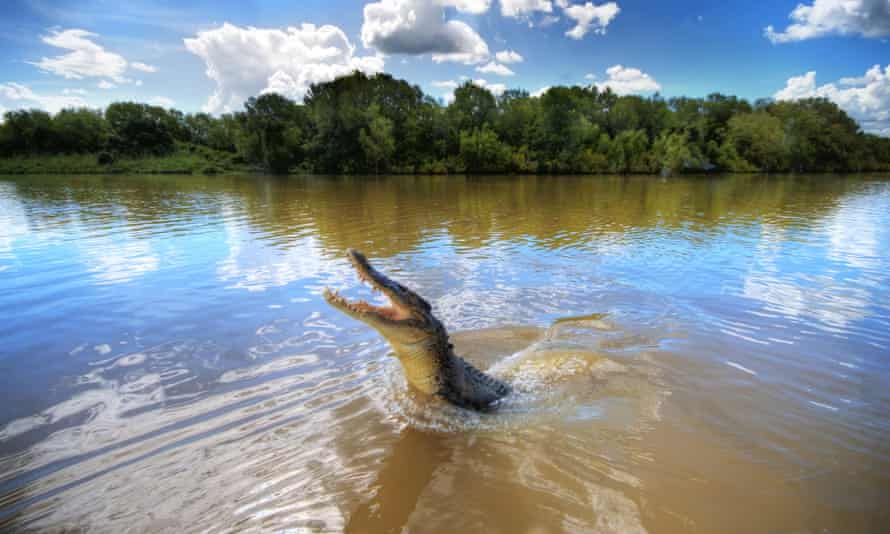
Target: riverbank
{"x": 191, "y": 164}
{"x": 185, "y": 160}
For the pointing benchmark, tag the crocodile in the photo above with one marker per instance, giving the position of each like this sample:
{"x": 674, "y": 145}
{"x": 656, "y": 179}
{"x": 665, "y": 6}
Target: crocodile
{"x": 420, "y": 341}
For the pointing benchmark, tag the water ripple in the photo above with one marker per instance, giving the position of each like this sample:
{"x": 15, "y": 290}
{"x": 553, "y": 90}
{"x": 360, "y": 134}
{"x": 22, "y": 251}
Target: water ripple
{"x": 704, "y": 352}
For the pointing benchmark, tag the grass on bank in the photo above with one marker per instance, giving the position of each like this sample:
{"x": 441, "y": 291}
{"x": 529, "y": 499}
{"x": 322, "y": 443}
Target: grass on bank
{"x": 186, "y": 159}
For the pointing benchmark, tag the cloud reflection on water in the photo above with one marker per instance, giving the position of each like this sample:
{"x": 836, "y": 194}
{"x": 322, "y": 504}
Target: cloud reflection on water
{"x": 243, "y": 402}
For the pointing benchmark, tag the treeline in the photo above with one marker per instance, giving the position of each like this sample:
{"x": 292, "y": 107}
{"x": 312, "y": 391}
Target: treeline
{"x": 362, "y": 124}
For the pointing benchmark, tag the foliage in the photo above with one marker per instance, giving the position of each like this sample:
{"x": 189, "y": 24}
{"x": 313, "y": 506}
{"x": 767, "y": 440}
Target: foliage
{"x": 27, "y": 132}
{"x": 759, "y": 140}
{"x": 80, "y": 131}
{"x": 184, "y": 159}
{"x": 376, "y": 139}
{"x": 673, "y": 153}
{"x": 627, "y": 152}
{"x": 340, "y": 110}
{"x": 272, "y": 128}
{"x": 482, "y": 151}
{"x": 361, "y": 124}
{"x": 140, "y": 128}
{"x": 472, "y": 107}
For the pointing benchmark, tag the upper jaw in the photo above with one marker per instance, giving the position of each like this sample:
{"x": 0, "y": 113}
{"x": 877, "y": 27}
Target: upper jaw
{"x": 378, "y": 280}
{"x": 398, "y": 310}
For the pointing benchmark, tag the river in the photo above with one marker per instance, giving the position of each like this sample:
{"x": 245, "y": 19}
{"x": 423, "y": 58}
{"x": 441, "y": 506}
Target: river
{"x": 168, "y": 363}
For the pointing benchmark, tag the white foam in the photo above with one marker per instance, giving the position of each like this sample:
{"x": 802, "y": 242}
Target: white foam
{"x": 826, "y": 406}
{"x": 742, "y": 336}
{"x": 741, "y": 368}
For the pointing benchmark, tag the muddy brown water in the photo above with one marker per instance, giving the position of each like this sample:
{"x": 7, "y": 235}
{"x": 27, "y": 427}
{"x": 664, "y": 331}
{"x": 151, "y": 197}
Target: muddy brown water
{"x": 708, "y": 354}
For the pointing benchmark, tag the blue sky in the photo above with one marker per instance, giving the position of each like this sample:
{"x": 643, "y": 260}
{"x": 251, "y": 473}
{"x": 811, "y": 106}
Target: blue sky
{"x": 93, "y": 52}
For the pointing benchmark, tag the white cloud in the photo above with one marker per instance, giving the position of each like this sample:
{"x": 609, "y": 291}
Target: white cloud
{"x": 865, "y": 98}
{"x": 626, "y": 80}
{"x": 120, "y": 259}
{"x": 519, "y": 8}
{"x": 253, "y": 267}
{"x": 868, "y": 18}
{"x": 497, "y": 89}
{"x": 590, "y": 76}
{"x": 15, "y": 91}
{"x": 495, "y": 68}
{"x": 590, "y": 15}
{"x": 247, "y": 61}
{"x": 798, "y": 87}
{"x": 548, "y": 20}
{"x": 23, "y": 96}
{"x": 105, "y": 84}
{"x": 445, "y": 84}
{"x": 143, "y": 67}
{"x": 509, "y": 56}
{"x": 417, "y": 27}
{"x": 162, "y": 101}
{"x": 540, "y": 92}
{"x": 476, "y": 7}
{"x": 85, "y": 58}
{"x": 448, "y": 86}
{"x": 74, "y": 91}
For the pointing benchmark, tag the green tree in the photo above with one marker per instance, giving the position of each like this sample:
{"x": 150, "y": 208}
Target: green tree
{"x": 759, "y": 139}
{"x": 28, "y": 132}
{"x": 482, "y": 151}
{"x": 376, "y": 139}
{"x": 819, "y": 136}
{"x": 139, "y": 128}
{"x": 628, "y": 152}
{"x": 559, "y": 111}
{"x": 672, "y": 153}
{"x": 516, "y": 120}
{"x": 472, "y": 107}
{"x": 222, "y": 133}
{"x": 273, "y": 133}
{"x": 718, "y": 109}
{"x": 80, "y": 130}
{"x": 361, "y": 123}
{"x": 338, "y": 112}
{"x": 624, "y": 115}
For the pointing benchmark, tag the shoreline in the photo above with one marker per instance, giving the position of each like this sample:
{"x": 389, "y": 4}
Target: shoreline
{"x": 184, "y": 161}
{"x": 215, "y": 163}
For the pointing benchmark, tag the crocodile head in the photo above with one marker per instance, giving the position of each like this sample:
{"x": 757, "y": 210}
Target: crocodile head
{"x": 419, "y": 339}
